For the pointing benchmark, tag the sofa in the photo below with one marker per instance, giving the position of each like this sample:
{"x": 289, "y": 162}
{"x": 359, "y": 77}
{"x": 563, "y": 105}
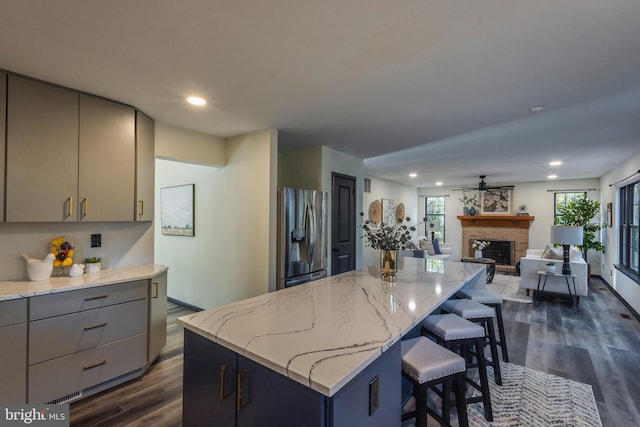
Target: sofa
{"x": 425, "y": 249}
{"x": 536, "y": 260}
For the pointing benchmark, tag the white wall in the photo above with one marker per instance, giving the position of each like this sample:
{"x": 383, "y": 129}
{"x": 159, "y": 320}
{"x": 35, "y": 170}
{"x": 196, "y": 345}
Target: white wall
{"x": 232, "y": 255}
{"x": 628, "y": 289}
{"x": 539, "y": 202}
{"x": 382, "y": 189}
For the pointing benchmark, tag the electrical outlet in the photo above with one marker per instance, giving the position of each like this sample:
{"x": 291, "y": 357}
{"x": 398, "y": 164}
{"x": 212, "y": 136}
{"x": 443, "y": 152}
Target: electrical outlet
{"x": 96, "y": 240}
{"x": 374, "y": 396}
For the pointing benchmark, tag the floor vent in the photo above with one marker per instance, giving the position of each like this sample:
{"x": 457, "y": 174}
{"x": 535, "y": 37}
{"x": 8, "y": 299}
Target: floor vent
{"x": 66, "y": 399}
{"x": 625, "y": 316}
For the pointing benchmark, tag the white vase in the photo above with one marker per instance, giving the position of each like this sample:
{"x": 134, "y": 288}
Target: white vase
{"x": 551, "y": 269}
{"x": 478, "y": 254}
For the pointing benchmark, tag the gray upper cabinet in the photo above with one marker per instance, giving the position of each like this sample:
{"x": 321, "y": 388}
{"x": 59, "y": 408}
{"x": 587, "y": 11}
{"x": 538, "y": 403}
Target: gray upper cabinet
{"x": 106, "y": 160}
{"x": 3, "y": 97}
{"x": 145, "y": 167}
{"x": 42, "y": 152}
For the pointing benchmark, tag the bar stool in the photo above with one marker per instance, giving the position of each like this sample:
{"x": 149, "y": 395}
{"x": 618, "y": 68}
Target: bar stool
{"x": 483, "y": 315}
{"x": 494, "y": 301}
{"x": 426, "y": 364}
{"x": 458, "y": 334}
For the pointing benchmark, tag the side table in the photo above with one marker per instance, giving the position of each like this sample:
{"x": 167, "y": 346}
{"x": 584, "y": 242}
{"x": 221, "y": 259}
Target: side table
{"x": 540, "y": 292}
{"x": 490, "y": 263}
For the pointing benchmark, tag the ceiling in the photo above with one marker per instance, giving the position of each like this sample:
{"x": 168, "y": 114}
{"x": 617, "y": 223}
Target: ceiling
{"x": 441, "y": 88}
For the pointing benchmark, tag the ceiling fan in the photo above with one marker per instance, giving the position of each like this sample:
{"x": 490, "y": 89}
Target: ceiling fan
{"x": 482, "y": 186}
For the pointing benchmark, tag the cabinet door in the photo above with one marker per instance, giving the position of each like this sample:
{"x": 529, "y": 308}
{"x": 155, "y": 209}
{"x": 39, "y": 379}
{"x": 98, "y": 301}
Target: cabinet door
{"x": 13, "y": 363}
{"x": 145, "y": 167}
{"x": 157, "y": 315}
{"x": 209, "y": 383}
{"x": 266, "y": 398}
{"x": 3, "y": 109}
{"x": 42, "y": 152}
{"x": 107, "y": 160}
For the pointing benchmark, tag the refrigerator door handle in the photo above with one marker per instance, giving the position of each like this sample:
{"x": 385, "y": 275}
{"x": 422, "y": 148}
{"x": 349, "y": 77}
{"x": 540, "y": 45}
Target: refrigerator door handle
{"x": 312, "y": 233}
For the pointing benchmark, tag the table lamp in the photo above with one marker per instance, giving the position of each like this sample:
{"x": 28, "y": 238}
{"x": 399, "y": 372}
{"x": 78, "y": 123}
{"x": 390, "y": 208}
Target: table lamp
{"x": 433, "y": 227}
{"x": 566, "y": 236}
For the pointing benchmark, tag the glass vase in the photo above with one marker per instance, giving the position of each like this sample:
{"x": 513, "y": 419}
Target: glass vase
{"x": 478, "y": 254}
{"x": 388, "y": 264}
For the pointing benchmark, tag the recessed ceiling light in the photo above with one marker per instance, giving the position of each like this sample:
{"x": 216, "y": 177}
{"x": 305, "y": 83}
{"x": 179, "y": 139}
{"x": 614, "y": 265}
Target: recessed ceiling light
{"x": 555, "y": 163}
{"x": 552, "y": 176}
{"x": 439, "y": 183}
{"x": 413, "y": 175}
{"x": 536, "y": 108}
{"x": 196, "y": 100}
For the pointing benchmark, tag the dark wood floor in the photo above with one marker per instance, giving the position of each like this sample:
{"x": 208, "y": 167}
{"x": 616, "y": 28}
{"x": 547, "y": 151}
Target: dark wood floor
{"x": 599, "y": 346}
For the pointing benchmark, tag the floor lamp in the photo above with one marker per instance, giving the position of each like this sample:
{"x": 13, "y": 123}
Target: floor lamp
{"x": 566, "y": 236}
{"x": 433, "y": 227}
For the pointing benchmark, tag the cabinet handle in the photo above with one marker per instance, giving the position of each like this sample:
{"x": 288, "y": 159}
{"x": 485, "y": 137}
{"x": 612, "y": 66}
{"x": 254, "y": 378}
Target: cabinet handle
{"x": 224, "y": 393}
{"x": 85, "y": 206}
{"x": 101, "y": 325}
{"x": 95, "y": 365}
{"x": 155, "y": 288}
{"x": 242, "y": 397}
{"x": 141, "y": 210}
{"x": 70, "y": 206}
{"x": 96, "y": 297}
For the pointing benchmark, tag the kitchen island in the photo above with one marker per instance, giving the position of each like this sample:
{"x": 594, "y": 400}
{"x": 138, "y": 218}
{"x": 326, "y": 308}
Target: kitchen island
{"x": 325, "y": 353}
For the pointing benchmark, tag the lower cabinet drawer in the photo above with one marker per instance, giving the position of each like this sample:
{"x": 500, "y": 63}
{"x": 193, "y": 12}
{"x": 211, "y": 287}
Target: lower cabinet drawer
{"x": 13, "y": 312}
{"x": 60, "y": 303}
{"x": 63, "y": 335}
{"x": 60, "y": 377}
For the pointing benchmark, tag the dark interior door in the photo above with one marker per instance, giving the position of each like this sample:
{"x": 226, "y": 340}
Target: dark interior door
{"x": 343, "y": 224}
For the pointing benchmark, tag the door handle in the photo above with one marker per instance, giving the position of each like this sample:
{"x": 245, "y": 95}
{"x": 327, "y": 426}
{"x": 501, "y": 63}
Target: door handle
{"x": 242, "y": 395}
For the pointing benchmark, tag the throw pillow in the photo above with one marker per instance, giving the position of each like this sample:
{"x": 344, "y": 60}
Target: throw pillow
{"x": 551, "y": 252}
{"x": 436, "y": 246}
{"x": 427, "y": 246}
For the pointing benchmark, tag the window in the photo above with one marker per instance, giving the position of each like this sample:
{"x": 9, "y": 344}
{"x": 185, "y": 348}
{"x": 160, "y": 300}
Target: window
{"x": 434, "y": 212}
{"x": 561, "y": 199}
{"x": 630, "y": 226}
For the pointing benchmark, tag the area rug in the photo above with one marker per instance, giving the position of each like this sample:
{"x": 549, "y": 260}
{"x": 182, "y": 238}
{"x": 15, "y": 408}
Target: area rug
{"x": 508, "y": 287}
{"x": 533, "y": 398}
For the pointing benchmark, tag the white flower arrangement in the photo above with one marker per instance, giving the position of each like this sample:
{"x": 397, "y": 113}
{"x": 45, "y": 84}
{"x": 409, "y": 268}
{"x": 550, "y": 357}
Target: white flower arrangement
{"x": 480, "y": 244}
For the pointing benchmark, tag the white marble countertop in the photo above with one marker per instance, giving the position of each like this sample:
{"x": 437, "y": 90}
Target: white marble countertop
{"x": 24, "y": 288}
{"x": 323, "y": 333}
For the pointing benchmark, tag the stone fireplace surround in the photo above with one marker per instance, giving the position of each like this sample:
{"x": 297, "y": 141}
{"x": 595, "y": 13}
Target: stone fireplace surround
{"x": 513, "y": 228}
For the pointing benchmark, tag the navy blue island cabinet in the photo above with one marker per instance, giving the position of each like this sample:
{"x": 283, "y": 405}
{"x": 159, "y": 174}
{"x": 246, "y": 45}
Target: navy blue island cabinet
{"x": 225, "y": 389}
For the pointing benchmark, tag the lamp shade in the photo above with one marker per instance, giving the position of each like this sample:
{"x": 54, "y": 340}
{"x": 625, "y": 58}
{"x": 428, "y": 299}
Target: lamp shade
{"x": 566, "y": 235}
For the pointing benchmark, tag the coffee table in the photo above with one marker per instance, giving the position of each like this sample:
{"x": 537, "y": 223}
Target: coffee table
{"x": 489, "y": 262}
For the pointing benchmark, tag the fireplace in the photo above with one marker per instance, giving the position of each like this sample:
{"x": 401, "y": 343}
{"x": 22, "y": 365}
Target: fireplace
{"x": 503, "y": 251}
{"x": 497, "y": 228}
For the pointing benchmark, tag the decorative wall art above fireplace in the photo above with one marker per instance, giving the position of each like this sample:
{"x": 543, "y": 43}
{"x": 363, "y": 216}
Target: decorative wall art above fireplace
{"x": 496, "y": 202}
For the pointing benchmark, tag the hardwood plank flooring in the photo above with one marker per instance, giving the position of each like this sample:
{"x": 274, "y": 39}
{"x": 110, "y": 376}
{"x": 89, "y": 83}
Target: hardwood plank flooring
{"x": 599, "y": 346}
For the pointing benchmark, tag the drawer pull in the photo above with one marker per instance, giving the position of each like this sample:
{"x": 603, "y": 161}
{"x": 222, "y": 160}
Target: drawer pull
{"x": 96, "y": 297}
{"x": 101, "y": 325}
{"x": 95, "y": 365}
{"x": 242, "y": 398}
{"x": 224, "y": 393}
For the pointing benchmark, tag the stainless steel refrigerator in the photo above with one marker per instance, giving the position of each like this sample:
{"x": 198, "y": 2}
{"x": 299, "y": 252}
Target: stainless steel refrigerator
{"x": 302, "y": 236}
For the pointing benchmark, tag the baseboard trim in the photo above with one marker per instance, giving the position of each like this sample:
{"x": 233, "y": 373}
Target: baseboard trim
{"x": 633, "y": 312}
{"x": 184, "y": 304}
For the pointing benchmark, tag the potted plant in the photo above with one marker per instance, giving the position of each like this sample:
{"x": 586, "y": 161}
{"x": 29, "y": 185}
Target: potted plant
{"x": 470, "y": 203}
{"x": 550, "y": 268}
{"x": 580, "y": 213}
{"x": 92, "y": 264}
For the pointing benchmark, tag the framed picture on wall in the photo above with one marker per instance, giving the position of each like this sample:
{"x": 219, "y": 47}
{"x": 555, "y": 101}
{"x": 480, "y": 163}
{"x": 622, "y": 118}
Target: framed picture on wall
{"x": 388, "y": 212}
{"x": 176, "y": 210}
{"x": 496, "y": 201}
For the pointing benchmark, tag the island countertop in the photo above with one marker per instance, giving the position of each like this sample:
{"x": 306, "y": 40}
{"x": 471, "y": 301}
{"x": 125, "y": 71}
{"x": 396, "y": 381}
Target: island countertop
{"x": 323, "y": 333}
{"x": 14, "y": 289}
